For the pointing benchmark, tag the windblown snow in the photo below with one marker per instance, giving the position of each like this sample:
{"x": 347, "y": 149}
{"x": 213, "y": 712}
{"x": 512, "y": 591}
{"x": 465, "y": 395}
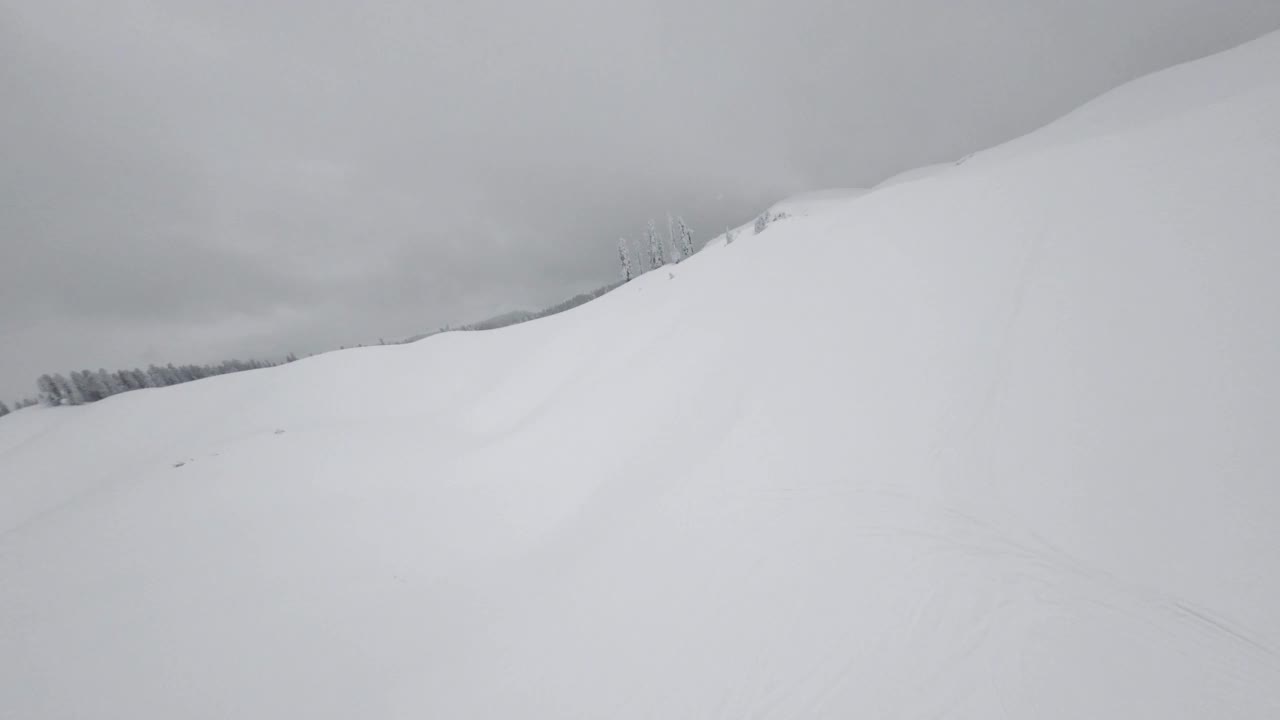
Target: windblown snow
{"x": 998, "y": 440}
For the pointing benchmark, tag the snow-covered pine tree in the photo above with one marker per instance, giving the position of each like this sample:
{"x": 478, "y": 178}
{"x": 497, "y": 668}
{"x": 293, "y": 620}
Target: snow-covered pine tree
{"x": 624, "y": 257}
{"x": 109, "y": 383}
{"x": 176, "y": 376}
{"x": 90, "y": 386}
{"x": 48, "y": 390}
{"x": 82, "y": 385}
{"x": 155, "y": 376}
{"x": 728, "y": 236}
{"x": 123, "y": 379}
{"x": 762, "y": 222}
{"x": 657, "y": 258}
{"x": 685, "y": 234}
{"x": 4, "y": 409}
{"x": 673, "y": 240}
{"x": 70, "y": 393}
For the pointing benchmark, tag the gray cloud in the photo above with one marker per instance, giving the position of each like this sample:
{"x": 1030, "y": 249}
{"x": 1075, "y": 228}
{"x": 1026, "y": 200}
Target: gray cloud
{"x": 185, "y": 181}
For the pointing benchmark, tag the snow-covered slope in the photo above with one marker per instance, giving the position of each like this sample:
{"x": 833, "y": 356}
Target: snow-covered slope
{"x": 997, "y": 442}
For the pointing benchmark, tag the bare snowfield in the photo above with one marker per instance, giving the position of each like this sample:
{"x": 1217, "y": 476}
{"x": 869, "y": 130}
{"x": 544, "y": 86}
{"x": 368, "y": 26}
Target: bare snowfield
{"x": 997, "y": 442}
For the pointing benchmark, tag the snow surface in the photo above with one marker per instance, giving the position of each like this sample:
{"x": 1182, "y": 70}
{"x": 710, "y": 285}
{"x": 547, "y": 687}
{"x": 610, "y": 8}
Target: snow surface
{"x": 998, "y": 442}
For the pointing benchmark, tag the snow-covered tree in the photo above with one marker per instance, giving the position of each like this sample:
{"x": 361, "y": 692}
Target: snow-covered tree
{"x": 70, "y": 394}
{"x": 134, "y": 379}
{"x": 624, "y": 257}
{"x": 90, "y": 386}
{"x": 762, "y": 222}
{"x": 179, "y": 374}
{"x": 82, "y": 385}
{"x": 728, "y": 236}
{"x": 673, "y": 241}
{"x": 4, "y": 409}
{"x": 109, "y": 383}
{"x": 48, "y": 390}
{"x": 657, "y": 258}
{"x": 156, "y": 376}
{"x": 685, "y": 235}
{"x": 120, "y": 381}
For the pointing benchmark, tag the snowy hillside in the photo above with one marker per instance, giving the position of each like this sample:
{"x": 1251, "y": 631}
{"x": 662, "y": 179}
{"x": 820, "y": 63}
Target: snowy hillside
{"x": 997, "y": 441}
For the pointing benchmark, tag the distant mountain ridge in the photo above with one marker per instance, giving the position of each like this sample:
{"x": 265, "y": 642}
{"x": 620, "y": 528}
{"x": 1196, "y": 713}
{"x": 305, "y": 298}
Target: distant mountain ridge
{"x": 516, "y": 317}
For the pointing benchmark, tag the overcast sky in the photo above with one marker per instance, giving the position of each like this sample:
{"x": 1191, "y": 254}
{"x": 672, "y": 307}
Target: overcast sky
{"x": 191, "y": 181}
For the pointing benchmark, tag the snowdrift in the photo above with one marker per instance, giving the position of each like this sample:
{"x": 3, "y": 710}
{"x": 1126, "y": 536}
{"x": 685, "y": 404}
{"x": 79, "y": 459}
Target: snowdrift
{"x": 996, "y": 442}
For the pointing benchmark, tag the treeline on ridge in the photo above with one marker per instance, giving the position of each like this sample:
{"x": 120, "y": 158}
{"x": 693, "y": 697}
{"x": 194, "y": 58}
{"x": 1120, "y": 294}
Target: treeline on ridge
{"x": 86, "y": 386}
